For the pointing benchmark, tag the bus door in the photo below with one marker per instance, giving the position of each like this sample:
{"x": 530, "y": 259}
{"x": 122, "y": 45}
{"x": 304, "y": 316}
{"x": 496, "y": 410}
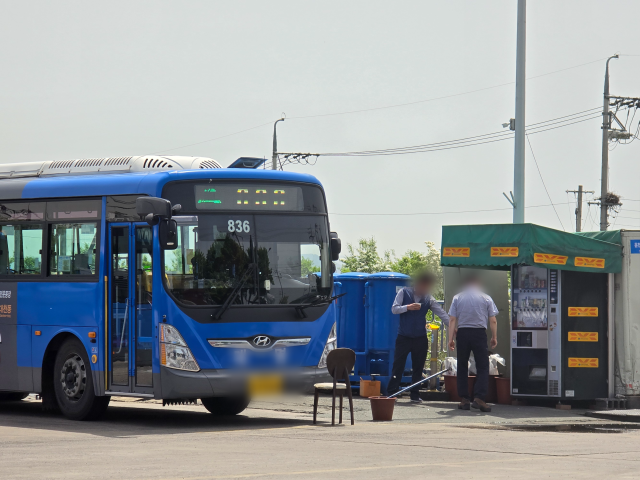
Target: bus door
{"x": 130, "y": 314}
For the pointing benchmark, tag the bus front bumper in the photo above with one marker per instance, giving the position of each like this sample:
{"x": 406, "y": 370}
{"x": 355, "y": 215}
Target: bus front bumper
{"x": 180, "y": 384}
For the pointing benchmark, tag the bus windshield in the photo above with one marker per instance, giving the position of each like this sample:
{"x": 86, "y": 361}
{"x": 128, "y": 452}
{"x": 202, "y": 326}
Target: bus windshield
{"x": 261, "y": 259}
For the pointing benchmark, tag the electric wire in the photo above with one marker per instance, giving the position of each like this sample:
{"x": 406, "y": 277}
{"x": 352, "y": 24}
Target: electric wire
{"x": 379, "y": 108}
{"x": 497, "y": 134}
{"x": 440, "y": 98}
{"x": 441, "y": 213}
{"x": 542, "y": 179}
{"x": 211, "y": 139}
{"x": 454, "y": 144}
{"x": 569, "y": 207}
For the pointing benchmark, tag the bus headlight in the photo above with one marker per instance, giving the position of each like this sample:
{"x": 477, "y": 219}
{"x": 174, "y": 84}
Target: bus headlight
{"x": 174, "y": 352}
{"x": 332, "y": 343}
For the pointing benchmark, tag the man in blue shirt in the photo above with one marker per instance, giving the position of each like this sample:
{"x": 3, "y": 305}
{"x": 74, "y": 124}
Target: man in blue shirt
{"x": 469, "y": 314}
{"x": 412, "y": 304}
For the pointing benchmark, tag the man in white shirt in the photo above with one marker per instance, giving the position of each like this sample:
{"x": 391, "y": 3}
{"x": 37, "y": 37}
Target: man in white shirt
{"x": 469, "y": 314}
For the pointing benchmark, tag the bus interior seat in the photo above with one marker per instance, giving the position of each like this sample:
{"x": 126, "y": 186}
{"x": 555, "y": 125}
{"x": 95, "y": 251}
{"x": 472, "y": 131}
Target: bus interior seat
{"x": 81, "y": 264}
{"x": 146, "y": 280}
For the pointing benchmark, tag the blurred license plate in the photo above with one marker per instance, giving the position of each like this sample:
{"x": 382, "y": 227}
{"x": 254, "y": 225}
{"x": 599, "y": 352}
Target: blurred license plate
{"x": 265, "y": 385}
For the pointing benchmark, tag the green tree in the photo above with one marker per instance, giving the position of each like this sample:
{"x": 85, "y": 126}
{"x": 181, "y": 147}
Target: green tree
{"x": 307, "y": 266}
{"x": 176, "y": 261}
{"x": 365, "y": 258}
{"x": 414, "y": 261}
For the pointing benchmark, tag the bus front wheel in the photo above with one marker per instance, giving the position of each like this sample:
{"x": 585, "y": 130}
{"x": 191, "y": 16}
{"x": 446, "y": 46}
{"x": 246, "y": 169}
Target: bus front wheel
{"x": 225, "y": 405}
{"x": 73, "y": 383}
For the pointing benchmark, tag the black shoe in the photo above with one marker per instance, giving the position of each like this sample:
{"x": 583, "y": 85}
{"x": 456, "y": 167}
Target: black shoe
{"x": 464, "y": 404}
{"x": 480, "y": 405}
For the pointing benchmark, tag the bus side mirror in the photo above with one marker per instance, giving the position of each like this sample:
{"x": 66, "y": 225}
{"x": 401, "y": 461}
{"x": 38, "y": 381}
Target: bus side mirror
{"x": 153, "y": 209}
{"x": 158, "y": 211}
{"x": 168, "y": 234}
{"x": 336, "y": 246}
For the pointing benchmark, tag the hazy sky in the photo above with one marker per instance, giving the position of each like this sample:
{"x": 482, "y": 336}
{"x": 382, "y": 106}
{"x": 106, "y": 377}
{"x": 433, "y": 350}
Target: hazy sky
{"x": 95, "y": 79}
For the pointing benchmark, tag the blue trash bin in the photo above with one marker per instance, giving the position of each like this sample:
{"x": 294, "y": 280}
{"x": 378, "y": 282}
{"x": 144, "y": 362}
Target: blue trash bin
{"x": 350, "y": 317}
{"x": 381, "y": 327}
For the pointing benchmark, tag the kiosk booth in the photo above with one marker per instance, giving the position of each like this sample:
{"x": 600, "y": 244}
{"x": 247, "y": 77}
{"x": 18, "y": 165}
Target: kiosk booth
{"x": 561, "y": 315}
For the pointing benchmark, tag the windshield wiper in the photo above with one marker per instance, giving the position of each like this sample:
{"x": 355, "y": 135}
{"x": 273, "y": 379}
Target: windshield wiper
{"x": 234, "y": 293}
{"x": 320, "y": 302}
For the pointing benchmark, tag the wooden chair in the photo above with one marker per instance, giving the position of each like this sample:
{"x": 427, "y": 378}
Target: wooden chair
{"x": 339, "y": 363}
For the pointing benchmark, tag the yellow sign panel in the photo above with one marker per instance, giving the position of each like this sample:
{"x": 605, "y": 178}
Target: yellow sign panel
{"x": 456, "y": 252}
{"x": 583, "y": 311}
{"x": 589, "y": 262}
{"x": 264, "y": 385}
{"x": 504, "y": 251}
{"x": 583, "y": 336}
{"x": 583, "y": 362}
{"x": 549, "y": 258}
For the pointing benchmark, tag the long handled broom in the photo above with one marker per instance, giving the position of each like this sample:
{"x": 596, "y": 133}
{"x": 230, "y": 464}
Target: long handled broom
{"x": 417, "y": 383}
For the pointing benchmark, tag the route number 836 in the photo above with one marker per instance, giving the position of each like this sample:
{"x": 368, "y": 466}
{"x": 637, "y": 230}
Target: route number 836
{"x": 238, "y": 226}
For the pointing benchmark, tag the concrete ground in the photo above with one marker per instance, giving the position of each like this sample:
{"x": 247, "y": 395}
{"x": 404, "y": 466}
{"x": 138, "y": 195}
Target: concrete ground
{"x": 274, "y": 439}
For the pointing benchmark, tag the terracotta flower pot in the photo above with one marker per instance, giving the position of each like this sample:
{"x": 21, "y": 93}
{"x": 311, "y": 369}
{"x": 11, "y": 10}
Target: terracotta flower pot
{"x": 503, "y": 390}
{"x": 382, "y": 408}
{"x": 451, "y": 386}
{"x": 492, "y": 396}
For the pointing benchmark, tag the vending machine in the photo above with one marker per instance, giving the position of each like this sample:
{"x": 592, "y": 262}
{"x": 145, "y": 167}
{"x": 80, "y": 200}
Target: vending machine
{"x": 558, "y": 333}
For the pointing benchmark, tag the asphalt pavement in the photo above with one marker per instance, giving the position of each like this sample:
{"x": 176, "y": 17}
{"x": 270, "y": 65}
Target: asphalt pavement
{"x": 274, "y": 438}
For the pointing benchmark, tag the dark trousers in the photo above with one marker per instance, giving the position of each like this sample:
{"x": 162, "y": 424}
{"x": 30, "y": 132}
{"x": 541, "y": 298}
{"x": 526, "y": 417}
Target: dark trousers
{"x": 472, "y": 340}
{"x": 418, "y": 348}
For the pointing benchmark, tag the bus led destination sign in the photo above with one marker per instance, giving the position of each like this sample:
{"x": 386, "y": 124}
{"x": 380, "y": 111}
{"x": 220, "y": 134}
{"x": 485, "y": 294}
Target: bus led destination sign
{"x": 236, "y": 196}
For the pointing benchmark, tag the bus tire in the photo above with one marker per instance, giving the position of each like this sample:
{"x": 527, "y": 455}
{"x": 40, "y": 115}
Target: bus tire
{"x": 222, "y": 406}
{"x": 12, "y": 396}
{"x": 73, "y": 383}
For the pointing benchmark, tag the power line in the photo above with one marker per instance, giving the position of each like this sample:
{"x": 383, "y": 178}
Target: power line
{"x": 462, "y": 142}
{"x": 569, "y": 208}
{"x": 439, "y": 98}
{"x": 542, "y": 179}
{"x": 379, "y": 108}
{"x": 441, "y": 213}
{"x": 212, "y": 139}
{"x": 499, "y": 134}
{"x": 372, "y": 109}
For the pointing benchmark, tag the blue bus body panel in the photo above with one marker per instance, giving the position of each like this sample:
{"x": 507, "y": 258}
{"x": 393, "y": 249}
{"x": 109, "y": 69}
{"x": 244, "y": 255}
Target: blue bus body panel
{"x": 197, "y": 334}
{"x": 60, "y": 303}
{"x": 144, "y": 183}
{"x": 77, "y": 308}
{"x": 53, "y": 308}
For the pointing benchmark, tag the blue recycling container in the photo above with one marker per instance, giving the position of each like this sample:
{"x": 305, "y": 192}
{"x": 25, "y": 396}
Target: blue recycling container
{"x": 350, "y": 320}
{"x": 381, "y": 325}
{"x": 350, "y": 312}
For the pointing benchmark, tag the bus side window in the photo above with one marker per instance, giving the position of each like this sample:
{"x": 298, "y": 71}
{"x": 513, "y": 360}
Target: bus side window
{"x": 20, "y": 249}
{"x": 73, "y": 249}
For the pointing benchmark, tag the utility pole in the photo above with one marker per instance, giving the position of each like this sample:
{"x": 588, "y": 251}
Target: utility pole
{"x": 579, "y": 207}
{"x": 604, "y": 179}
{"x": 274, "y": 156}
{"x": 518, "y": 160}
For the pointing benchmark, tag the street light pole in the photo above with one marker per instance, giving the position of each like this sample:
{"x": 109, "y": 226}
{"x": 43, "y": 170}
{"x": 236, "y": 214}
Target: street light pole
{"x": 518, "y": 160}
{"x": 274, "y": 156}
{"x": 604, "y": 179}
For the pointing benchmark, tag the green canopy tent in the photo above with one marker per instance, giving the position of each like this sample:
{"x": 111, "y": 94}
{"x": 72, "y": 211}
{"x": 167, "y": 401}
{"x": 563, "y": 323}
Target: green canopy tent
{"x": 499, "y": 246}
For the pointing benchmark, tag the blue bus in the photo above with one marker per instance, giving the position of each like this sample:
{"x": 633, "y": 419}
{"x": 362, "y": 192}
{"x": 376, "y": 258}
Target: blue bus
{"x": 162, "y": 277}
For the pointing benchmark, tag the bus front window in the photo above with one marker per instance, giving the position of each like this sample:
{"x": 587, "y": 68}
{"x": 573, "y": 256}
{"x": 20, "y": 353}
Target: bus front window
{"x": 267, "y": 259}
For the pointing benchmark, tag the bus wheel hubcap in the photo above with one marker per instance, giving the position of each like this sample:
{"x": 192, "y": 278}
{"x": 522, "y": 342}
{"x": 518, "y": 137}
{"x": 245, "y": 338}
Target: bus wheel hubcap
{"x": 73, "y": 377}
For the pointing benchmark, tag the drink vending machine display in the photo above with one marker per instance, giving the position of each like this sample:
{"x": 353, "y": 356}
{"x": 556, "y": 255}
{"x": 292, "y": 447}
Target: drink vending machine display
{"x": 558, "y": 333}
{"x": 535, "y": 331}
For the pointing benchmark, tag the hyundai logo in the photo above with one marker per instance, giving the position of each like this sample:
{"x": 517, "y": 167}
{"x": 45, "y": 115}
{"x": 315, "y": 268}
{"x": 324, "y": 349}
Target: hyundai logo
{"x": 262, "y": 341}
